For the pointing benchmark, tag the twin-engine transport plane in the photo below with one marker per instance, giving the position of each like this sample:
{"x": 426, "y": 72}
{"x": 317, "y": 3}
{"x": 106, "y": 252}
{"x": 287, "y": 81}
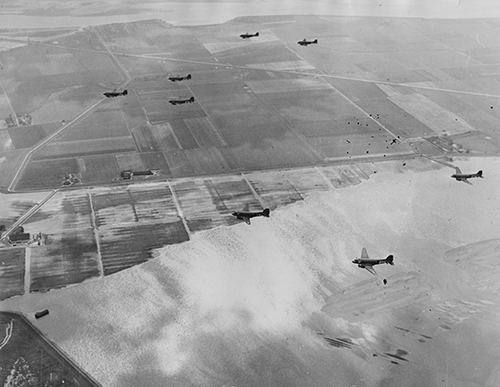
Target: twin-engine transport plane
{"x": 174, "y": 78}
{"x": 459, "y": 176}
{"x": 305, "y": 42}
{"x": 115, "y": 93}
{"x": 246, "y": 215}
{"x": 365, "y": 262}
{"x": 246, "y": 35}
{"x": 181, "y": 101}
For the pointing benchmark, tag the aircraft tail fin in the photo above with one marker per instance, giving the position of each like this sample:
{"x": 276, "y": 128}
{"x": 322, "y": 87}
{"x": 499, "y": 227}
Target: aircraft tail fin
{"x": 256, "y": 34}
{"x": 125, "y": 92}
{"x": 480, "y": 174}
{"x": 188, "y": 76}
{"x": 191, "y": 99}
{"x": 315, "y": 41}
{"x": 266, "y": 212}
{"x": 390, "y": 259}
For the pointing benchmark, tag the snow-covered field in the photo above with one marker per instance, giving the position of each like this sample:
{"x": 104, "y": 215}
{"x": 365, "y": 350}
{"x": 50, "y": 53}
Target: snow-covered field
{"x": 280, "y": 303}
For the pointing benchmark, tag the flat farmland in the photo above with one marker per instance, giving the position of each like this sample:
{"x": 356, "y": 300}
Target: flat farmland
{"x": 273, "y": 189}
{"x": 130, "y": 160}
{"x": 47, "y": 173}
{"x": 152, "y": 36}
{"x": 207, "y": 161}
{"x": 148, "y": 84}
{"x": 134, "y": 220}
{"x": 127, "y": 246}
{"x": 200, "y": 206}
{"x": 286, "y": 152}
{"x": 165, "y": 137}
{"x": 107, "y": 122}
{"x": 347, "y": 175}
{"x": 11, "y": 272}
{"x": 27, "y": 136}
{"x": 100, "y": 169}
{"x": 253, "y": 126}
{"x": 312, "y": 105}
{"x": 258, "y": 53}
{"x": 39, "y": 78}
{"x": 67, "y": 258}
{"x": 155, "y": 160}
{"x": 65, "y": 210}
{"x": 232, "y": 193}
{"x": 356, "y": 145}
{"x": 85, "y": 147}
{"x": 9, "y": 163}
{"x": 158, "y": 109}
{"x": 204, "y": 132}
{"x": 178, "y": 163}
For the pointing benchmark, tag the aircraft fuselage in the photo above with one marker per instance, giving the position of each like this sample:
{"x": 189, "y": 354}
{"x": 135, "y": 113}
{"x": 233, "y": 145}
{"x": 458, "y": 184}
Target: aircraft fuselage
{"x": 307, "y": 42}
{"x": 181, "y": 101}
{"x": 179, "y": 78}
{"x": 247, "y": 35}
{"x": 246, "y": 216}
{"x": 112, "y": 94}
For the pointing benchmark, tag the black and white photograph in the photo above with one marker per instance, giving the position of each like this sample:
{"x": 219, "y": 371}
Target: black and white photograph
{"x": 250, "y": 193}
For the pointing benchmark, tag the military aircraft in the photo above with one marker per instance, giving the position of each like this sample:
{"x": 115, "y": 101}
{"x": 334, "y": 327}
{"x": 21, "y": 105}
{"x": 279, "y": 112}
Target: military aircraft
{"x": 305, "y": 42}
{"x": 174, "y": 78}
{"x": 115, "y": 93}
{"x": 181, "y": 101}
{"x": 246, "y": 35}
{"x": 365, "y": 262}
{"x": 247, "y": 215}
{"x": 459, "y": 176}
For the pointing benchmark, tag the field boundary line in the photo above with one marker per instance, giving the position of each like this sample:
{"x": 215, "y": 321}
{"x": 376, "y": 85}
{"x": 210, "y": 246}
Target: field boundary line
{"x": 28, "y": 155}
{"x": 27, "y": 269}
{"x": 96, "y": 235}
{"x": 254, "y": 192}
{"x": 179, "y": 209}
{"x": 323, "y": 176}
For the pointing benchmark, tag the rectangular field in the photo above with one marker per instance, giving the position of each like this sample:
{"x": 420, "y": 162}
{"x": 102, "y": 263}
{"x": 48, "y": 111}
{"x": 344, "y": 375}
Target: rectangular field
{"x": 47, "y": 173}
{"x": 129, "y": 245}
{"x": 67, "y": 258}
{"x": 11, "y": 272}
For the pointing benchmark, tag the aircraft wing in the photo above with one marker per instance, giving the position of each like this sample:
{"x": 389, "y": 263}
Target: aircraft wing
{"x": 466, "y": 181}
{"x": 247, "y": 220}
{"x": 459, "y": 172}
{"x": 371, "y": 269}
{"x": 364, "y": 254}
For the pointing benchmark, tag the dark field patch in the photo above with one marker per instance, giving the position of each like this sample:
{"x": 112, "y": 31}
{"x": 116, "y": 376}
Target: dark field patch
{"x": 183, "y": 134}
{"x": 126, "y": 246}
{"x": 144, "y": 140}
{"x": 100, "y": 169}
{"x": 155, "y": 160}
{"x": 11, "y": 272}
{"x": 101, "y": 123}
{"x": 33, "y": 360}
{"x": 207, "y": 161}
{"x": 47, "y": 173}
{"x": 66, "y": 259}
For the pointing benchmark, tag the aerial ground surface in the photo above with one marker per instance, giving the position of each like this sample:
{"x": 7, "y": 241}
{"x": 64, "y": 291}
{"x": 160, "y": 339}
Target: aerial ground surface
{"x": 359, "y": 132}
